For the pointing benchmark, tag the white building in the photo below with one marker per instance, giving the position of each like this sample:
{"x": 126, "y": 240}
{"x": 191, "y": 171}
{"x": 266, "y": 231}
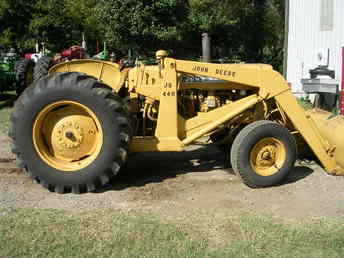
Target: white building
{"x": 313, "y": 28}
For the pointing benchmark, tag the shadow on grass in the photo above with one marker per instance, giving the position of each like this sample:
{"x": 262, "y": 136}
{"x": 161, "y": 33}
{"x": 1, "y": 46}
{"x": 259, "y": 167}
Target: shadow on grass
{"x": 7, "y": 100}
{"x": 146, "y": 168}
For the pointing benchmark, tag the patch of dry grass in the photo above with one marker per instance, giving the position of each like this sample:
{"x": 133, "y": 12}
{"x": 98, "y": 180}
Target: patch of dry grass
{"x": 108, "y": 233}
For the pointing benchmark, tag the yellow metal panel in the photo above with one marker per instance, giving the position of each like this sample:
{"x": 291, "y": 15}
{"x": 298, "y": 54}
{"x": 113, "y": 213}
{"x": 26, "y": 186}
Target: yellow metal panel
{"x": 107, "y": 72}
{"x": 153, "y": 93}
{"x": 144, "y": 144}
{"x": 269, "y": 82}
{"x": 272, "y": 83}
{"x": 238, "y": 73}
{"x": 203, "y": 119}
{"x": 306, "y": 128}
{"x": 167, "y": 125}
{"x": 233, "y": 110}
{"x": 146, "y": 81}
{"x": 151, "y": 143}
{"x": 331, "y": 128}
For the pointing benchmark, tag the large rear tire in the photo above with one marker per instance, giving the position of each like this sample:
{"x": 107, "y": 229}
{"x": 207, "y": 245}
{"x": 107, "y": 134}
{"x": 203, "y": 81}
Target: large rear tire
{"x": 42, "y": 67}
{"x": 24, "y": 74}
{"x": 70, "y": 132}
{"x": 263, "y": 154}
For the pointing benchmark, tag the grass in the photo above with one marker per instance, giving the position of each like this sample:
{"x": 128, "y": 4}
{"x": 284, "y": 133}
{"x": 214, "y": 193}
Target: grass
{"x": 305, "y": 103}
{"x": 53, "y": 233}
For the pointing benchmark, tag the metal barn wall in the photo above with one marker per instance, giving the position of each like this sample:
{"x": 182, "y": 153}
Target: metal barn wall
{"x": 306, "y": 39}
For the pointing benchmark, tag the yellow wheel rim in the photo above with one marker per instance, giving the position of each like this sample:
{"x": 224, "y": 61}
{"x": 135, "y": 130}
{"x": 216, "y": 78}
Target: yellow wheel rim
{"x": 67, "y": 135}
{"x": 268, "y": 156}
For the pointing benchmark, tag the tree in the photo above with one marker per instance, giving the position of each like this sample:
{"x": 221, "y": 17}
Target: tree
{"x": 82, "y": 15}
{"x": 143, "y": 25}
{"x": 61, "y": 23}
{"x": 15, "y": 16}
{"x": 248, "y": 30}
{"x": 274, "y": 33}
{"x": 51, "y": 25}
{"x": 221, "y": 19}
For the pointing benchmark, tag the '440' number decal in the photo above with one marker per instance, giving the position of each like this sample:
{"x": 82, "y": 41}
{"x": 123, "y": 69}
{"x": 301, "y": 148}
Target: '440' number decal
{"x": 169, "y": 94}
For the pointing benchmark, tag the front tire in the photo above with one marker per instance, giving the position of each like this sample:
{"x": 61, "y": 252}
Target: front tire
{"x": 70, "y": 132}
{"x": 263, "y": 154}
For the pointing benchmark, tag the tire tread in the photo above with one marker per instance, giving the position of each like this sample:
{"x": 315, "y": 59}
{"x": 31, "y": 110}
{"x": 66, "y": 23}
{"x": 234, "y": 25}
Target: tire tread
{"x": 249, "y": 131}
{"x": 101, "y": 90}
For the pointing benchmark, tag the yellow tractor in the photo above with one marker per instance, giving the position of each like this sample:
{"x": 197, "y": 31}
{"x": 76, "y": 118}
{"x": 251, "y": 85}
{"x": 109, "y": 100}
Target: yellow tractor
{"x": 73, "y": 129}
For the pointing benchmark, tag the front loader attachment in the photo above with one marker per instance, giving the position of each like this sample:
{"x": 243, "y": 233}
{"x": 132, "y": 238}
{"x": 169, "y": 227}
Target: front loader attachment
{"x": 314, "y": 128}
{"x": 331, "y": 129}
{"x": 321, "y": 131}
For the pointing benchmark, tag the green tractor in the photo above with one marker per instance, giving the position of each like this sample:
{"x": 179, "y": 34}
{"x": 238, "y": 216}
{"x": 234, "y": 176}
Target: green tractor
{"x": 103, "y": 55}
{"x": 15, "y": 73}
{"x": 7, "y": 71}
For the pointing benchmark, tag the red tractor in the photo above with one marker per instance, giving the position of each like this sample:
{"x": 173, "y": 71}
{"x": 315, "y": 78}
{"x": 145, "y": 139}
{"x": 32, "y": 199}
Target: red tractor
{"x": 45, "y": 62}
{"x": 36, "y": 65}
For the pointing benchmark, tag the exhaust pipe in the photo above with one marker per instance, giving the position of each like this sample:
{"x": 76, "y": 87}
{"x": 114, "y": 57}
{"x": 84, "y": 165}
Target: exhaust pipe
{"x": 206, "y": 48}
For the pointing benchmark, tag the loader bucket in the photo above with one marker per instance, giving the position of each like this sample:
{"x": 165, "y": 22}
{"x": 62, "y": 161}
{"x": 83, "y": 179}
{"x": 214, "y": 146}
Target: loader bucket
{"x": 331, "y": 128}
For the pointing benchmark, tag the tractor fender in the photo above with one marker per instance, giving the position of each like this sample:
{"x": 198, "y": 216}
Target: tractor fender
{"x": 107, "y": 72}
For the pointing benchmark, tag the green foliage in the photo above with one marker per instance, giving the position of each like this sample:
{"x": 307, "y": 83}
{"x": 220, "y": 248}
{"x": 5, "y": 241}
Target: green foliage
{"x": 305, "y": 103}
{"x": 15, "y": 16}
{"x": 141, "y": 25}
{"x": 58, "y": 23}
{"x": 247, "y": 30}
{"x": 50, "y": 22}
{"x": 207, "y": 16}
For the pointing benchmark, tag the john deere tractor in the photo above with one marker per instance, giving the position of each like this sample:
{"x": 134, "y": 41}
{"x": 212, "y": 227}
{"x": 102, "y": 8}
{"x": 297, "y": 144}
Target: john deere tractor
{"x": 72, "y": 130}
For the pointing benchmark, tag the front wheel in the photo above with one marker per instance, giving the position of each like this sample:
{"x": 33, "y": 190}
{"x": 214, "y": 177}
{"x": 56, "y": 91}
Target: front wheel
{"x": 263, "y": 154}
{"x": 70, "y": 132}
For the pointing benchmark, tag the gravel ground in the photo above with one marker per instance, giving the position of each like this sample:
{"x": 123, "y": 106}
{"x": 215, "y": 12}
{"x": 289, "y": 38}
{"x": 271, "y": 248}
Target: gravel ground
{"x": 175, "y": 183}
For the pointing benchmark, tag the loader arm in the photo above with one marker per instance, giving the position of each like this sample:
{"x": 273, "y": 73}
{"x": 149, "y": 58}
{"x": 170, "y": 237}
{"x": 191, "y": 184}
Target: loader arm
{"x": 270, "y": 84}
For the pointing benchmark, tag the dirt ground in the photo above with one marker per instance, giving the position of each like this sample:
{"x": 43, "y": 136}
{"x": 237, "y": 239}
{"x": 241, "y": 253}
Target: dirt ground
{"x": 175, "y": 183}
